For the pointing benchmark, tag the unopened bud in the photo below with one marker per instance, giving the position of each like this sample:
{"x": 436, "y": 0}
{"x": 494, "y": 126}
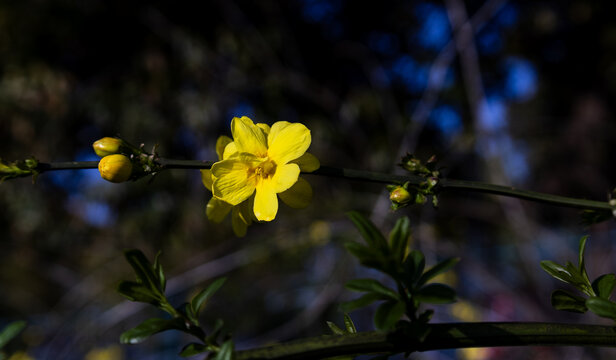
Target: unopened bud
{"x": 116, "y": 168}
{"x": 612, "y": 202}
{"x": 400, "y": 195}
{"x": 107, "y": 146}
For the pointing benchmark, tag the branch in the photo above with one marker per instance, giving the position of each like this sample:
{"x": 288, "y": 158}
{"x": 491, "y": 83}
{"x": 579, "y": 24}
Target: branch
{"x": 440, "y": 336}
{"x": 370, "y": 176}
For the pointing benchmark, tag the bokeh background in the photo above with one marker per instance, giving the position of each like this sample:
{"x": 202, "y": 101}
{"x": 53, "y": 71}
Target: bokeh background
{"x": 510, "y": 92}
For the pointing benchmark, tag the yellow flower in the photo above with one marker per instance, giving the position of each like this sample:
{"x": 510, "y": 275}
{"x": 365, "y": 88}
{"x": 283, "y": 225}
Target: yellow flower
{"x": 265, "y": 162}
{"x": 115, "y": 168}
{"x": 217, "y": 210}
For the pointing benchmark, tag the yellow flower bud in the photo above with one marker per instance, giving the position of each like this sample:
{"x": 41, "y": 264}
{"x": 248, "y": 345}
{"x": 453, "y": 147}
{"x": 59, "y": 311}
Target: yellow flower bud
{"x": 107, "y": 146}
{"x": 400, "y": 195}
{"x": 115, "y": 168}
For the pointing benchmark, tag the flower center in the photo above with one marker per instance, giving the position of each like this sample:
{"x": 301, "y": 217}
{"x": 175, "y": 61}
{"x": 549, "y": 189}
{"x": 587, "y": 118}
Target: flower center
{"x": 266, "y": 169}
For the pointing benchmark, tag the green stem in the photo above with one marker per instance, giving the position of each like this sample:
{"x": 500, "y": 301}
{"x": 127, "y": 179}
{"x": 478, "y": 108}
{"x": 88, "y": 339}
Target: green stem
{"x": 444, "y": 184}
{"x": 440, "y": 336}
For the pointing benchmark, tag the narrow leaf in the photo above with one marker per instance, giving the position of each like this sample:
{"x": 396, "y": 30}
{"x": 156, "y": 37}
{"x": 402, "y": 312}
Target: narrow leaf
{"x": 399, "y": 238}
{"x": 149, "y": 328}
{"x": 202, "y": 297}
{"x": 387, "y": 314}
{"x": 413, "y": 267}
{"x": 556, "y": 271}
{"x": 604, "y": 285}
{"x": 368, "y": 231}
{"x": 158, "y": 270}
{"x": 437, "y": 269}
{"x": 358, "y": 250}
{"x": 226, "y": 351}
{"x": 335, "y": 329}
{"x": 143, "y": 269}
{"x": 359, "y": 303}
{"x": 372, "y": 286}
{"x": 348, "y": 324}
{"x": 602, "y": 307}
{"x": 215, "y": 331}
{"x": 193, "y": 349}
{"x": 564, "y": 301}
{"x": 10, "y": 331}
{"x": 436, "y": 294}
{"x": 135, "y": 291}
{"x": 581, "y": 251}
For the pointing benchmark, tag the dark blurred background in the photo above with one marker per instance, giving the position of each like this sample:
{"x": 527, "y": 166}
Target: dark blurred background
{"x": 510, "y": 92}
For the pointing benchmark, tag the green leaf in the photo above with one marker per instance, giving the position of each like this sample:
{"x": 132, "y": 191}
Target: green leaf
{"x": 359, "y": 303}
{"x": 358, "y": 250}
{"x": 413, "y": 267}
{"x": 579, "y": 279}
{"x": 335, "y": 329}
{"x": 158, "y": 270}
{"x": 604, "y": 285}
{"x": 149, "y": 328}
{"x": 556, "y": 271}
{"x": 348, "y": 324}
{"x": 202, "y": 297}
{"x": 399, "y": 238}
{"x": 581, "y": 251}
{"x": 387, "y": 314}
{"x": 602, "y": 307}
{"x": 226, "y": 351}
{"x": 143, "y": 269}
{"x": 135, "y": 291}
{"x": 564, "y": 301}
{"x": 10, "y": 331}
{"x": 211, "y": 338}
{"x": 435, "y": 294}
{"x": 193, "y": 349}
{"x": 369, "y": 232}
{"x": 437, "y": 269}
{"x": 372, "y": 286}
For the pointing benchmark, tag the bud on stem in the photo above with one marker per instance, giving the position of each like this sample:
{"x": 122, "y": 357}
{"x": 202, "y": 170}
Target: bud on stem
{"x": 116, "y": 168}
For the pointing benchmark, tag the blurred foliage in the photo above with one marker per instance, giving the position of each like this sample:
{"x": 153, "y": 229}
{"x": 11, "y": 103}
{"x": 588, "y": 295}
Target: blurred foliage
{"x": 356, "y": 73}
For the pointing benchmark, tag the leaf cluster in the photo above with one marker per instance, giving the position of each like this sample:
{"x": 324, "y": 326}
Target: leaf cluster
{"x": 149, "y": 287}
{"x": 597, "y": 293}
{"x": 407, "y": 270}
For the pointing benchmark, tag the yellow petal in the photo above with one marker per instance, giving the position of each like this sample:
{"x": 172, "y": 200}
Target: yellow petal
{"x": 264, "y": 127}
{"x": 230, "y": 149}
{"x": 287, "y": 141}
{"x": 307, "y": 162}
{"x": 237, "y": 223}
{"x": 285, "y": 177}
{"x": 266, "y": 201}
{"x": 206, "y": 178}
{"x": 233, "y": 182}
{"x": 298, "y": 196}
{"x": 275, "y": 130}
{"x": 248, "y": 137}
{"x": 216, "y": 209}
{"x": 221, "y": 144}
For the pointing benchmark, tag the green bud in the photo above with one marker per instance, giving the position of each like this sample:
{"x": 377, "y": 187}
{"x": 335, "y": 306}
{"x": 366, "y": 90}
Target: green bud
{"x": 399, "y": 195}
{"x": 116, "y": 168}
{"x": 107, "y": 146}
